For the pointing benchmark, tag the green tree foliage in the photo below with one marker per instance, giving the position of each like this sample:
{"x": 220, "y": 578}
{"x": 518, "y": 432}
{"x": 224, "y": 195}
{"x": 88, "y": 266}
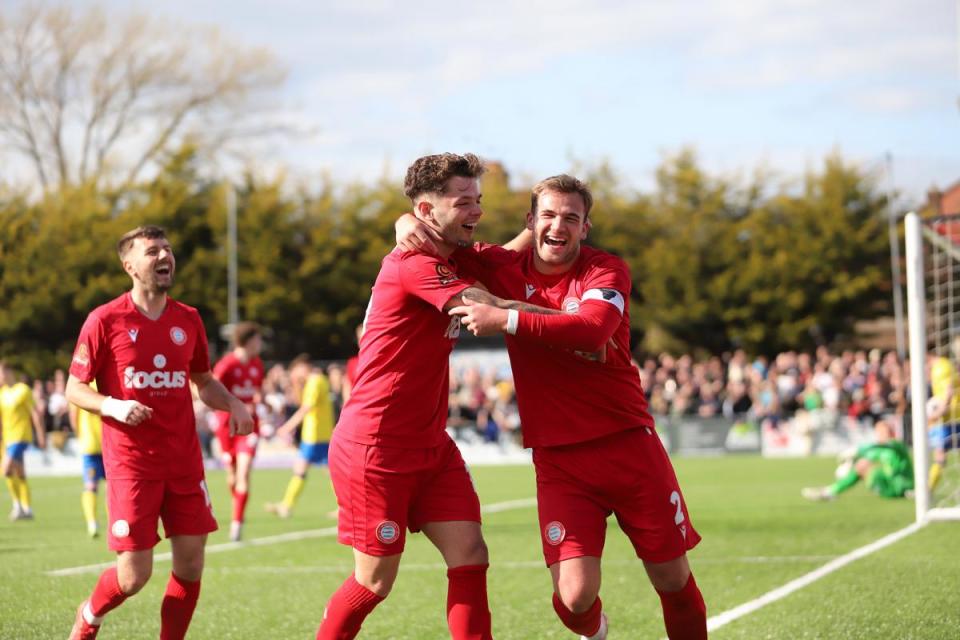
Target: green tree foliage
{"x": 715, "y": 264}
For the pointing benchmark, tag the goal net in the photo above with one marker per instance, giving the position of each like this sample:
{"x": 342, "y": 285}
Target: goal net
{"x": 933, "y": 298}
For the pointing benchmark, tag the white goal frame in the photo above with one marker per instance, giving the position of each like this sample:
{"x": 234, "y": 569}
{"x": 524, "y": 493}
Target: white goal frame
{"x": 917, "y": 325}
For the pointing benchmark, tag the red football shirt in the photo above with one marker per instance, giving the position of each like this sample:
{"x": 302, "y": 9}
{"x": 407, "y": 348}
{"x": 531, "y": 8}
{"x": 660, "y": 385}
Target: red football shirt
{"x": 135, "y": 358}
{"x": 400, "y": 394}
{"x": 242, "y": 379}
{"x": 572, "y": 372}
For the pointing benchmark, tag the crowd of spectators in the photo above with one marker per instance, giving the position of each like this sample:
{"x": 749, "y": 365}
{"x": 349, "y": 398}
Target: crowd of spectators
{"x": 850, "y": 387}
{"x": 855, "y": 385}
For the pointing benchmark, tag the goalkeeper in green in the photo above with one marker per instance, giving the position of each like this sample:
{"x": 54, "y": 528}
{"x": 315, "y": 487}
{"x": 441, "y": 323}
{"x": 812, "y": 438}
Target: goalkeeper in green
{"x": 884, "y": 465}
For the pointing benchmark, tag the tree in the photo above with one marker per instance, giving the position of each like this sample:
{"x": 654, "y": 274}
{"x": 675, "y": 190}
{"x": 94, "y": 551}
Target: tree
{"x": 84, "y": 98}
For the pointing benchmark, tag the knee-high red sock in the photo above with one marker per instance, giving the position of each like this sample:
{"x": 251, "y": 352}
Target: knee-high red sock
{"x": 107, "y": 595}
{"x": 179, "y": 601}
{"x": 586, "y": 623}
{"x": 239, "y": 505}
{"x": 346, "y": 611}
{"x": 468, "y": 614}
{"x": 684, "y": 612}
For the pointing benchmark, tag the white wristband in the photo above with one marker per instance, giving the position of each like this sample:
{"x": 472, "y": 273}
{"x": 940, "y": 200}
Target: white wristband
{"x": 513, "y": 319}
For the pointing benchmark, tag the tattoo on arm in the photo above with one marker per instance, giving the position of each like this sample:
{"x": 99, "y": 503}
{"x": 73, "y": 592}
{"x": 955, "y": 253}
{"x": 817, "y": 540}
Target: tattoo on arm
{"x": 530, "y": 308}
{"x": 485, "y": 297}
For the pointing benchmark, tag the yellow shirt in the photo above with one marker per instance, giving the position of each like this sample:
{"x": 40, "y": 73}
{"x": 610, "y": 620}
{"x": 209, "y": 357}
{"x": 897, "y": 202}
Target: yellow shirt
{"x": 16, "y": 407}
{"x": 89, "y": 430}
{"x": 943, "y": 378}
{"x": 318, "y": 423}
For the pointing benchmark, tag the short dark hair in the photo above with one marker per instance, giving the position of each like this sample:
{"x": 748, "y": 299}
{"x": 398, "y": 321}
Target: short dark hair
{"x": 562, "y": 183}
{"x": 244, "y": 332}
{"x": 430, "y": 174}
{"x": 303, "y": 358}
{"x": 149, "y": 231}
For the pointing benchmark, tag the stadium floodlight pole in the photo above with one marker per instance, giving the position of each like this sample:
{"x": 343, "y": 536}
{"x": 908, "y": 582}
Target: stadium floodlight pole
{"x": 916, "y": 307}
{"x": 231, "y": 197}
{"x": 895, "y": 260}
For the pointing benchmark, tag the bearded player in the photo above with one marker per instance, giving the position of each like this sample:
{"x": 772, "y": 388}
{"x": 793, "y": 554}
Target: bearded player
{"x": 241, "y": 372}
{"x": 583, "y": 411}
{"x": 142, "y": 349}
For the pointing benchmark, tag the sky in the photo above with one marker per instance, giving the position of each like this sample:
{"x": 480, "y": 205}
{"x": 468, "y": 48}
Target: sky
{"x": 547, "y": 86}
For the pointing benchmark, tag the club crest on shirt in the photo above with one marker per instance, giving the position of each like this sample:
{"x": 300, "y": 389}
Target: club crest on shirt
{"x": 571, "y": 305}
{"x": 554, "y": 532}
{"x": 388, "y": 532}
{"x": 82, "y": 355}
{"x": 178, "y": 335}
{"x": 446, "y": 274}
{"x": 120, "y": 529}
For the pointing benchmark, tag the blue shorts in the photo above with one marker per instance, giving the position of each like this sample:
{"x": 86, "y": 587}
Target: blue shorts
{"x": 93, "y": 468}
{"x": 16, "y": 450}
{"x": 315, "y": 453}
{"x": 945, "y": 436}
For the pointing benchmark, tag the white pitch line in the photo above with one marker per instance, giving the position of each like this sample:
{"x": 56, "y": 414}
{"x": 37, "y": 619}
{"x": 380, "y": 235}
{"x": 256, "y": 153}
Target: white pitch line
{"x": 293, "y": 536}
{"x": 717, "y": 621}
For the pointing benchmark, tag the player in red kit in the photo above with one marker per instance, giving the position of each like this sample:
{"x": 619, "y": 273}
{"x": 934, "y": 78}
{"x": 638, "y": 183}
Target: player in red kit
{"x": 143, "y": 349}
{"x": 565, "y": 313}
{"x": 394, "y": 468}
{"x": 241, "y": 372}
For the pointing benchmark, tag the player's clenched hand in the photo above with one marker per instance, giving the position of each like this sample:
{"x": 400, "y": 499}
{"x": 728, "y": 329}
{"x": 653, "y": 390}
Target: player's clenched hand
{"x": 126, "y": 411}
{"x": 241, "y": 422}
{"x": 414, "y": 235}
{"x": 480, "y": 319}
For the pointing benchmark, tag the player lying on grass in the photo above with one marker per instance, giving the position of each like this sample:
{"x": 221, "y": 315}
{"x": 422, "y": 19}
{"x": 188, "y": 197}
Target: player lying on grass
{"x": 884, "y": 465}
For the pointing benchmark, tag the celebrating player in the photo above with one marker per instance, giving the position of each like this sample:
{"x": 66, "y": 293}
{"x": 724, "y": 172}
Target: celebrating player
{"x": 583, "y": 411}
{"x": 19, "y": 421}
{"x": 316, "y": 416}
{"x": 393, "y": 465}
{"x": 241, "y": 372}
{"x": 141, "y": 348}
{"x": 89, "y": 430}
{"x": 884, "y": 464}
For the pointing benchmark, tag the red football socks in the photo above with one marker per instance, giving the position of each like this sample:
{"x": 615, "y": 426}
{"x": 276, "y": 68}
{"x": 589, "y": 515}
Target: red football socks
{"x": 239, "y": 505}
{"x": 107, "y": 595}
{"x": 684, "y": 612}
{"x": 347, "y": 609}
{"x": 586, "y": 623}
{"x": 468, "y": 614}
{"x": 179, "y": 601}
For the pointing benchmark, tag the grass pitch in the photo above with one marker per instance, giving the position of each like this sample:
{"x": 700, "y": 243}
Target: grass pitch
{"x": 758, "y": 534}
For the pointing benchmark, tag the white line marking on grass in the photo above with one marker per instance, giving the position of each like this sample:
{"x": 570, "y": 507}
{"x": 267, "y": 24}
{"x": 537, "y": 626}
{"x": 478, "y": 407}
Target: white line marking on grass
{"x": 717, "y": 621}
{"x": 292, "y": 536}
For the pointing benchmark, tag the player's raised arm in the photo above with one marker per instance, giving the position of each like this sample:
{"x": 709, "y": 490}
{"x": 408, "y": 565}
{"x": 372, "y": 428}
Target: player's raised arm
{"x": 215, "y": 395}
{"x": 414, "y": 235}
{"x": 85, "y": 397}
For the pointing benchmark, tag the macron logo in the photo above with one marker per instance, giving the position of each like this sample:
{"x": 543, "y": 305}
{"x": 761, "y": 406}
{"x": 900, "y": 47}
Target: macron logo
{"x": 530, "y": 290}
{"x": 133, "y": 334}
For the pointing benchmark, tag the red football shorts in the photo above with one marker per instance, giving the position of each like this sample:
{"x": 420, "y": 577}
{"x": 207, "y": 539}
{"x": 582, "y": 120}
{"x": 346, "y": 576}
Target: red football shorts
{"x": 383, "y": 491}
{"x": 232, "y": 446}
{"x": 135, "y": 506}
{"x": 628, "y": 474}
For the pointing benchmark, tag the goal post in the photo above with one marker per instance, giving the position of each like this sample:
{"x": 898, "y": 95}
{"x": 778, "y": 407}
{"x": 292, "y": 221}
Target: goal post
{"x": 933, "y": 310}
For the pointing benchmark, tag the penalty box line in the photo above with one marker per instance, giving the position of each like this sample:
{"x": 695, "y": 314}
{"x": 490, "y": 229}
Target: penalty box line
{"x": 719, "y": 620}
{"x": 293, "y": 536}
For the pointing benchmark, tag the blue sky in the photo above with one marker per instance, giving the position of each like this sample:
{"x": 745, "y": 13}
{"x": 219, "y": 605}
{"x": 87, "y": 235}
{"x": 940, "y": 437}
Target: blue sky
{"x": 540, "y": 85}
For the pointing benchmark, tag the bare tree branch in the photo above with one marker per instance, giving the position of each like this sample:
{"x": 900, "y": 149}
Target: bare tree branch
{"x": 84, "y": 98}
